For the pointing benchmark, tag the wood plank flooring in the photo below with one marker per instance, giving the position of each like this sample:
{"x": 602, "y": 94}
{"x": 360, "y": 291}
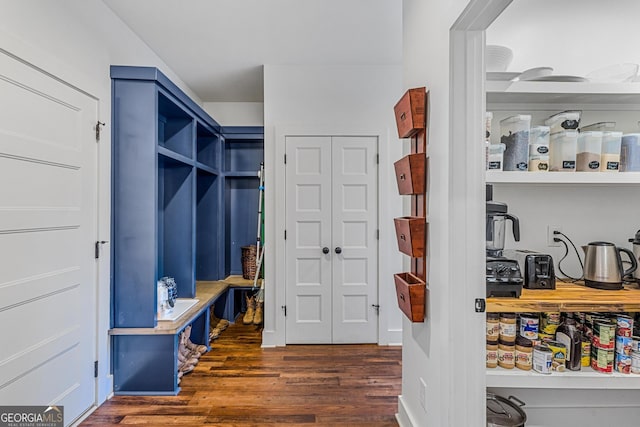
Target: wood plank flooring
{"x": 240, "y": 384}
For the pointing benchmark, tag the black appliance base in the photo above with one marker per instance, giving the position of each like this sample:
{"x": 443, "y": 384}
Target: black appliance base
{"x": 602, "y": 285}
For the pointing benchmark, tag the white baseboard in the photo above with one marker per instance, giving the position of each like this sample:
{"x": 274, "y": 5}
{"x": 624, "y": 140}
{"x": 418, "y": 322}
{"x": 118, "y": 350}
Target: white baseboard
{"x": 403, "y": 416}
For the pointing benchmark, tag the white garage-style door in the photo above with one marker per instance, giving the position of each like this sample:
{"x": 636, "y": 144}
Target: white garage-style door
{"x": 331, "y": 243}
{"x": 48, "y": 226}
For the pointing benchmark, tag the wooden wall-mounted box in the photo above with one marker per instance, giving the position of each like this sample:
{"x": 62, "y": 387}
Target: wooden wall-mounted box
{"x": 410, "y": 233}
{"x": 410, "y": 112}
{"x": 410, "y": 173}
{"x": 411, "y": 293}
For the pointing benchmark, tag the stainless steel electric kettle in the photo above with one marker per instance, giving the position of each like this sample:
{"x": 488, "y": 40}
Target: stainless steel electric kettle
{"x": 603, "y": 265}
{"x": 636, "y": 253}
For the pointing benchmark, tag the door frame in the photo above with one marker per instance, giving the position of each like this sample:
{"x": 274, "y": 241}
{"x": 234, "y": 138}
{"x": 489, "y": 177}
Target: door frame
{"x": 274, "y": 333}
{"x": 467, "y": 204}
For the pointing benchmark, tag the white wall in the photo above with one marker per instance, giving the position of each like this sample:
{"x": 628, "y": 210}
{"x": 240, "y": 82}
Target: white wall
{"x": 332, "y": 99}
{"x": 574, "y": 37}
{"x": 236, "y": 113}
{"x": 77, "y": 40}
{"x": 427, "y": 346}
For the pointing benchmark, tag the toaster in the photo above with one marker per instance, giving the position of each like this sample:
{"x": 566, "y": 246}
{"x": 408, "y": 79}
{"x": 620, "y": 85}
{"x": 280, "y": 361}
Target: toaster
{"x": 537, "y": 268}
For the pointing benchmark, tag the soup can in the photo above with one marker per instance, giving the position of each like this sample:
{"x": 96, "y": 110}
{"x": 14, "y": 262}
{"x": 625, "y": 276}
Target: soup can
{"x": 550, "y": 320}
{"x": 635, "y": 343}
{"x": 529, "y": 326}
{"x": 623, "y": 363}
{"x": 605, "y": 333}
{"x": 624, "y": 326}
{"x": 623, "y": 345}
{"x": 543, "y": 359}
{"x": 559, "y": 351}
{"x": 602, "y": 359}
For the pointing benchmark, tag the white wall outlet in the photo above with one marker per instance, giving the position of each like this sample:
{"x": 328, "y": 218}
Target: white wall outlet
{"x": 423, "y": 394}
{"x": 551, "y": 235}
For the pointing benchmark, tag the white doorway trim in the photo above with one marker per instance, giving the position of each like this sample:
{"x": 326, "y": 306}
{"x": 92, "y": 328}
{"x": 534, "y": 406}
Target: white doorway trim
{"x": 467, "y": 206}
{"x": 390, "y": 149}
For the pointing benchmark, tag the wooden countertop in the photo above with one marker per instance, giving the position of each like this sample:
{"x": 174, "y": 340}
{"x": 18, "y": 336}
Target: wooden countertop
{"x": 569, "y": 297}
{"x": 206, "y": 293}
{"x": 240, "y": 282}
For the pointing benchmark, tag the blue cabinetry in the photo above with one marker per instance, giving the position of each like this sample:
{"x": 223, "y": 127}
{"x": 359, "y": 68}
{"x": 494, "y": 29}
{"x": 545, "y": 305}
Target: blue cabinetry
{"x": 184, "y": 195}
{"x": 243, "y": 151}
{"x": 166, "y": 191}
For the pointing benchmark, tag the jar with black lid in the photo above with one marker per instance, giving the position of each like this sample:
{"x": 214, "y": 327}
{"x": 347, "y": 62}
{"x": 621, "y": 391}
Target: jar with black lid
{"x": 506, "y": 354}
{"x": 508, "y": 327}
{"x": 493, "y": 326}
{"x": 524, "y": 353}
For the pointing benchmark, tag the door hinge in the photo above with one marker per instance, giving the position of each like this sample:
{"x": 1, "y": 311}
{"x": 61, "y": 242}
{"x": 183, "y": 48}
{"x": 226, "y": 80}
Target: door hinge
{"x": 377, "y": 159}
{"x": 378, "y": 234}
{"x": 376, "y": 307}
{"x": 285, "y": 234}
{"x": 97, "y": 248}
{"x": 481, "y": 305}
{"x": 284, "y": 310}
{"x": 95, "y": 369}
{"x": 285, "y": 159}
{"x": 98, "y": 124}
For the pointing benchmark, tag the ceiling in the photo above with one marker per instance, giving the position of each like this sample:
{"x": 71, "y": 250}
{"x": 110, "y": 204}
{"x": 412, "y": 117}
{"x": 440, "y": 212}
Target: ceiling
{"x": 218, "y": 47}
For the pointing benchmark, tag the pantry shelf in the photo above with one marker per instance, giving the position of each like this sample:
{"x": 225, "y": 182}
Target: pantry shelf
{"x": 569, "y": 297}
{"x": 545, "y": 93}
{"x": 589, "y": 178}
{"x": 586, "y": 378}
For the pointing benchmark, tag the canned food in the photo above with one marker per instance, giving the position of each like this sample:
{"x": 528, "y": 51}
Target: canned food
{"x": 624, "y": 322}
{"x": 545, "y": 337}
{"x": 559, "y": 352}
{"x": 602, "y": 359}
{"x": 623, "y": 345}
{"x": 635, "y": 344}
{"x": 635, "y": 362}
{"x": 605, "y": 331}
{"x": 543, "y": 359}
{"x": 585, "y": 360}
{"x": 550, "y": 320}
{"x": 623, "y": 363}
{"x": 529, "y": 326}
{"x": 595, "y": 342}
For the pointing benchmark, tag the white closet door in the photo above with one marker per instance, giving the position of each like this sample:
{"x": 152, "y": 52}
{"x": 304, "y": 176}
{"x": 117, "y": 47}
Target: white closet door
{"x": 308, "y": 225}
{"x": 354, "y": 229}
{"x": 48, "y": 219}
{"x": 332, "y": 207}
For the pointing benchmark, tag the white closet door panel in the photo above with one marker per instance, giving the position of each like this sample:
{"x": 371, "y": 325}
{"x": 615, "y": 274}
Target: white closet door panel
{"x": 48, "y": 219}
{"x": 355, "y": 219}
{"x": 308, "y": 225}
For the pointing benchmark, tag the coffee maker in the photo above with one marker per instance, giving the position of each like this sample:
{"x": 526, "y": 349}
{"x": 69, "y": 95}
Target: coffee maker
{"x": 503, "y": 275}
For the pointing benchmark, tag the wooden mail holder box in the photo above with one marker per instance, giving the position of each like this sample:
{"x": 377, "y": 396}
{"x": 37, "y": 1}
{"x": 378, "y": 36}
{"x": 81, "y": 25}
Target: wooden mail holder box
{"x": 410, "y": 173}
{"x": 410, "y": 291}
{"x": 410, "y": 233}
{"x": 410, "y": 112}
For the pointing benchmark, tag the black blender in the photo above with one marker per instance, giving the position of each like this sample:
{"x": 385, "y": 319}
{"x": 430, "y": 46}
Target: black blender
{"x": 504, "y": 278}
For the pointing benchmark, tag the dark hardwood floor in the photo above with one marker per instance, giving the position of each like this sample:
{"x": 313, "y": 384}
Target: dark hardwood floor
{"x": 240, "y": 384}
